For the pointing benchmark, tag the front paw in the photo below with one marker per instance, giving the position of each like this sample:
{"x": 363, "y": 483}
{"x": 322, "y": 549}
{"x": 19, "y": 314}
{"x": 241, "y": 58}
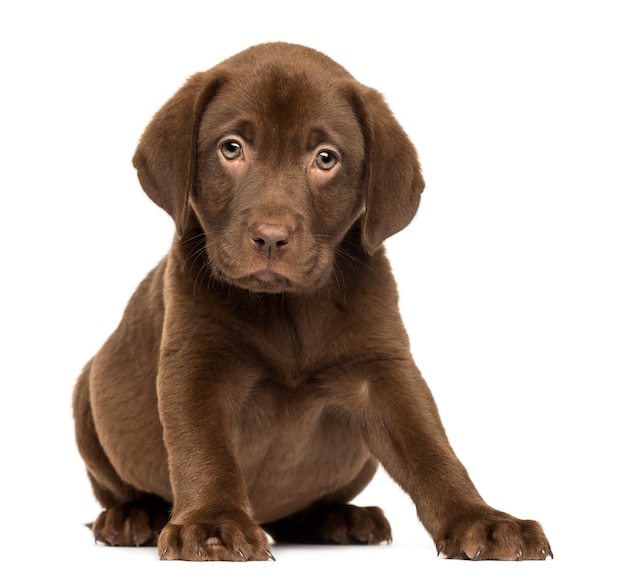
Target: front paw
{"x": 493, "y": 535}
{"x": 231, "y": 539}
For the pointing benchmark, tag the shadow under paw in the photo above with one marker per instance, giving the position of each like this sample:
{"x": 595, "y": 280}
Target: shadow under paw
{"x": 333, "y": 524}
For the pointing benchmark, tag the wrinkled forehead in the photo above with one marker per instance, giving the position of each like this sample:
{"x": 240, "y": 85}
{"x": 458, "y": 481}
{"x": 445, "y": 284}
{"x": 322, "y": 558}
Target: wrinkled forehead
{"x": 284, "y": 104}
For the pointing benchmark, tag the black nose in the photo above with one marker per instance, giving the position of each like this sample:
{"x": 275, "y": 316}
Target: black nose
{"x": 270, "y": 238}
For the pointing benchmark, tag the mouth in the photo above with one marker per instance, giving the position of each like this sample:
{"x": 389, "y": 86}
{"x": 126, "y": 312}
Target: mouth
{"x": 266, "y": 280}
{"x": 273, "y": 276}
{"x": 267, "y": 275}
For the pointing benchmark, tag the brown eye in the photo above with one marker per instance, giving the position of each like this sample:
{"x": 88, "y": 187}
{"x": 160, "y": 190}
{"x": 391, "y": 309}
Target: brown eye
{"x": 231, "y": 150}
{"x": 326, "y": 160}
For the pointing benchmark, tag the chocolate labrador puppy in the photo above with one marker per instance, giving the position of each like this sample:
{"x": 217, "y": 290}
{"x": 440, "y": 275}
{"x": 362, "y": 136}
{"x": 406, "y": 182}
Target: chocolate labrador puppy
{"x": 261, "y": 371}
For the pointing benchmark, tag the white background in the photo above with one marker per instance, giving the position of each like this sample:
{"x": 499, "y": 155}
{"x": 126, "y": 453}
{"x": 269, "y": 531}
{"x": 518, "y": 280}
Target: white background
{"x": 511, "y": 276}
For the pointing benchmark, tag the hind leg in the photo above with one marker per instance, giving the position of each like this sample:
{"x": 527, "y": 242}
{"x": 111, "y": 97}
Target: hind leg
{"x": 133, "y": 523}
{"x": 130, "y": 517}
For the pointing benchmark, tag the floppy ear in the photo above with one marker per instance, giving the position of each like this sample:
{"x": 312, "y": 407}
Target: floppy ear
{"x": 165, "y": 158}
{"x": 393, "y": 178}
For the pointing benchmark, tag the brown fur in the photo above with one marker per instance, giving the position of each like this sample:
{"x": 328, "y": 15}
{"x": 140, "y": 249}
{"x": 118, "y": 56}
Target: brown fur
{"x": 261, "y": 370}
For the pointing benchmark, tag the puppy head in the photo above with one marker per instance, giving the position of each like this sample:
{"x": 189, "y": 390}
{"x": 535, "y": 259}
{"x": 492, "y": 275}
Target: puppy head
{"x": 277, "y": 153}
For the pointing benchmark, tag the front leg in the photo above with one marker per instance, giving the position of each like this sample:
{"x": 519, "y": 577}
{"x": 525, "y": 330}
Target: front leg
{"x": 210, "y": 514}
{"x": 400, "y": 423}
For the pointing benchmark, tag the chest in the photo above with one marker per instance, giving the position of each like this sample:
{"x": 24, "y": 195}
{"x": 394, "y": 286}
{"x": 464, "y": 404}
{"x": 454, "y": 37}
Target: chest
{"x": 294, "y": 448}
